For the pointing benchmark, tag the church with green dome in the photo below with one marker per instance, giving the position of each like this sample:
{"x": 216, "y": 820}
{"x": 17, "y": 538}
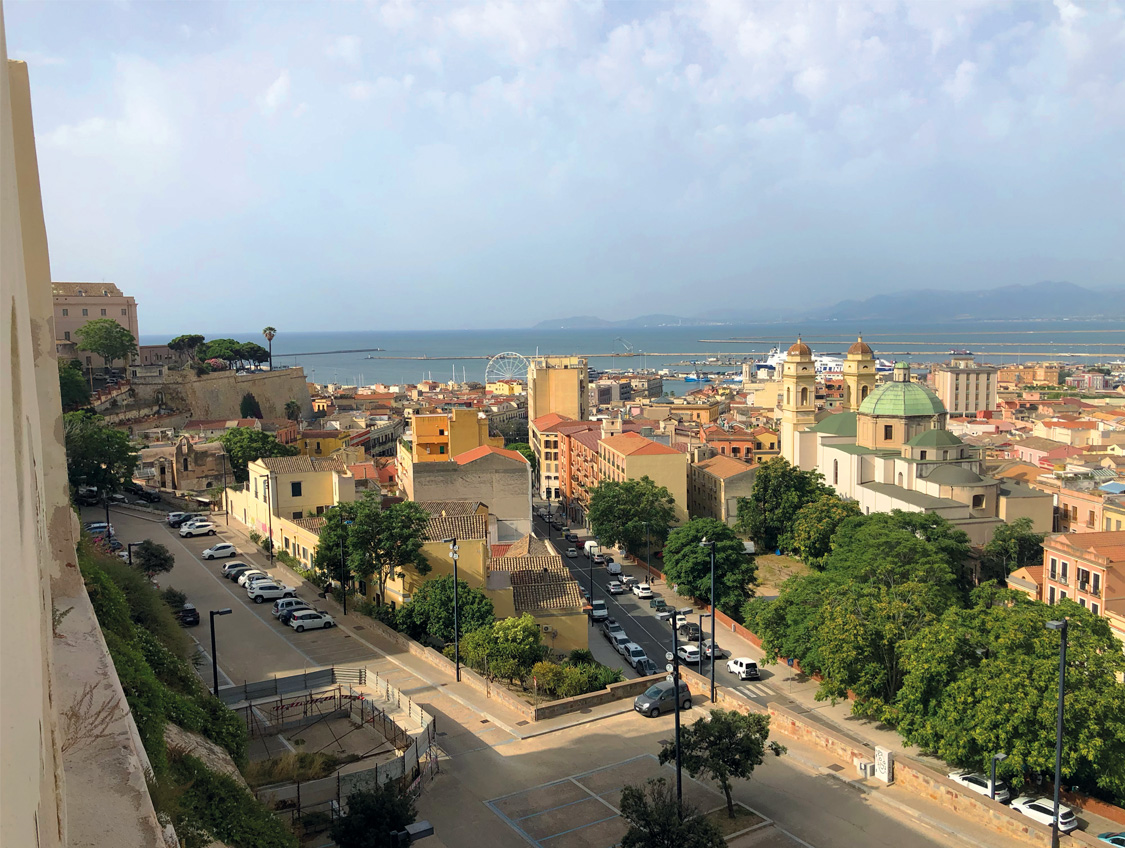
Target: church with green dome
{"x": 888, "y": 448}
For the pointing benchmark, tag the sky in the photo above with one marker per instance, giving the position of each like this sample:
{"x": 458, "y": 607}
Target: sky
{"x": 320, "y": 166}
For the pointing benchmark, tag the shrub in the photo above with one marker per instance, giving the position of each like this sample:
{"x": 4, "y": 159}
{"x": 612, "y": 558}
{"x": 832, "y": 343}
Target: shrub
{"x": 255, "y": 537}
{"x": 580, "y": 656}
{"x": 174, "y": 598}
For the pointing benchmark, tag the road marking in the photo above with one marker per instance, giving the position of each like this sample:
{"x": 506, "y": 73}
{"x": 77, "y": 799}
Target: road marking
{"x": 755, "y": 690}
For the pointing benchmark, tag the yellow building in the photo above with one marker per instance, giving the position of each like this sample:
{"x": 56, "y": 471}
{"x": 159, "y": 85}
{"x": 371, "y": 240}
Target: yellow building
{"x": 630, "y": 456}
{"x": 506, "y": 388}
{"x": 439, "y": 437}
{"x": 558, "y": 384}
{"x": 322, "y": 442}
{"x": 702, "y": 410}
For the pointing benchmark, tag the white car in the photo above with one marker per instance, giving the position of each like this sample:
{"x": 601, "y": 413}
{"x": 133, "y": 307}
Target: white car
{"x": 251, "y": 572}
{"x": 745, "y": 668}
{"x": 571, "y": 553}
{"x": 223, "y": 549}
{"x": 615, "y": 587}
{"x": 979, "y": 784}
{"x": 267, "y": 590}
{"x": 310, "y": 620}
{"x": 643, "y": 591}
{"x": 233, "y": 564}
{"x": 613, "y": 568}
{"x": 198, "y": 528}
{"x": 287, "y": 603}
{"x": 681, "y": 620}
{"x": 123, "y": 555}
{"x": 635, "y": 654}
{"x": 620, "y": 643}
{"x": 1042, "y": 810}
{"x": 256, "y": 579}
{"x": 175, "y": 516}
{"x": 688, "y": 653}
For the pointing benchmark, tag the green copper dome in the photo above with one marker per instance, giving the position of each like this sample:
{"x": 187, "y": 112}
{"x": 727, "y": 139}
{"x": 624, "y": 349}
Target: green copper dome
{"x": 901, "y": 399}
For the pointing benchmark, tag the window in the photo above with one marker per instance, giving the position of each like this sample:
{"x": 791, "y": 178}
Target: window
{"x": 804, "y": 396}
{"x": 978, "y": 501}
{"x": 66, "y": 335}
{"x": 103, "y": 312}
{"x": 1065, "y": 569}
{"x": 1096, "y": 587}
{"x": 441, "y": 432}
{"x": 1054, "y": 570}
{"x": 1094, "y": 609}
{"x": 320, "y": 510}
{"x": 295, "y": 489}
{"x": 297, "y": 513}
{"x": 124, "y": 311}
{"x": 441, "y": 448}
{"x": 900, "y": 479}
{"x": 1082, "y": 601}
{"x": 888, "y": 432}
{"x": 788, "y": 396}
{"x": 835, "y": 471}
{"x": 922, "y": 455}
{"x": 85, "y": 312}
{"x": 1051, "y": 595}
{"x": 1062, "y": 594}
{"x": 185, "y": 463}
{"x": 65, "y": 312}
{"x": 318, "y": 447}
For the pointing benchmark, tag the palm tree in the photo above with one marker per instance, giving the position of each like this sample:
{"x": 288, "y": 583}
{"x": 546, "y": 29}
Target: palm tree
{"x": 269, "y": 333}
{"x": 292, "y": 410}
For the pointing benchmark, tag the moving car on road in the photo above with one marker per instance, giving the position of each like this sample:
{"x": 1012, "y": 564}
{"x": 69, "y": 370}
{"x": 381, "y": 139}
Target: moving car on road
{"x": 745, "y": 668}
{"x": 571, "y": 553}
{"x": 719, "y": 652}
{"x": 615, "y": 587}
{"x": 1042, "y": 810}
{"x": 310, "y": 620}
{"x": 599, "y": 611}
{"x": 599, "y": 559}
{"x": 223, "y": 549}
{"x": 979, "y": 784}
{"x": 198, "y": 528}
{"x": 572, "y": 538}
{"x": 661, "y": 697}
{"x": 642, "y": 591}
{"x": 268, "y": 590}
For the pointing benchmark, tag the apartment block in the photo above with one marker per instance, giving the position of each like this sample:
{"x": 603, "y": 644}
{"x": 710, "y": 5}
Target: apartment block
{"x": 716, "y": 484}
{"x": 964, "y": 386}
{"x": 631, "y": 456}
{"x": 558, "y": 385}
{"x": 438, "y": 437}
{"x": 1087, "y": 567}
{"x": 76, "y": 304}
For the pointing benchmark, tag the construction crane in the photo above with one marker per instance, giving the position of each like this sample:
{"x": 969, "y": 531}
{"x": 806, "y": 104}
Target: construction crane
{"x": 625, "y": 344}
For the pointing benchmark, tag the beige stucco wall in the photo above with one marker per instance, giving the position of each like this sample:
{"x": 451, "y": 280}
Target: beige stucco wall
{"x": 43, "y": 672}
{"x": 665, "y": 469}
{"x": 558, "y": 384}
{"x": 1041, "y": 511}
{"x": 219, "y": 394}
{"x": 502, "y": 483}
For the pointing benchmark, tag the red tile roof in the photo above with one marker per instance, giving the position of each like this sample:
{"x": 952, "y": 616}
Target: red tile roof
{"x": 484, "y": 450}
{"x": 634, "y": 444}
{"x": 545, "y": 422}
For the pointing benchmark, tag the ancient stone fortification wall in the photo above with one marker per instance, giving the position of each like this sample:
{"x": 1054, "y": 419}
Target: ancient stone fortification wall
{"x": 219, "y": 394}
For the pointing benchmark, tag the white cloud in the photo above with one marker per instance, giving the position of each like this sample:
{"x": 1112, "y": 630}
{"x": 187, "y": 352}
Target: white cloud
{"x": 962, "y": 83}
{"x": 347, "y": 49}
{"x": 276, "y": 94}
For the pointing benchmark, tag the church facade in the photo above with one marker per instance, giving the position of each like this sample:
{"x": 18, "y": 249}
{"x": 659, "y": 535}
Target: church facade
{"x": 888, "y": 448}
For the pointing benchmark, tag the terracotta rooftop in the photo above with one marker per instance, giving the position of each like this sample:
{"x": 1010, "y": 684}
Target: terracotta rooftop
{"x": 546, "y": 422}
{"x": 221, "y": 423}
{"x": 302, "y": 464}
{"x": 486, "y": 450}
{"x": 633, "y": 444}
{"x": 530, "y": 546}
{"x": 724, "y": 467}
{"x": 1037, "y": 443}
{"x": 1110, "y": 545}
{"x": 89, "y": 289}
{"x": 450, "y": 508}
{"x": 541, "y": 583}
{"x": 497, "y": 551}
{"x": 313, "y": 525}
{"x": 364, "y": 471}
{"x": 457, "y": 527}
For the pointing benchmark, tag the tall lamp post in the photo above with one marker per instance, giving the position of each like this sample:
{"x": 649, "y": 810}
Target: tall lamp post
{"x": 1061, "y": 626}
{"x": 710, "y": 544}
{"x": 996, "y": 758}
{"x": 129, "y": 548}
{"x": 344, "y": 567}
{"x": 214, "y": 656}
{"x": 674, "y": 657}
{"x": 550, "y": 514}
{"x": 702, "y": 616}
{"x": 453, "y": 555}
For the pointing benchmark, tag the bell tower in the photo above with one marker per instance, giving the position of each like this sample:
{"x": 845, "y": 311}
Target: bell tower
{"x": 859, "y": 374}
{"x": 798, "y": 397}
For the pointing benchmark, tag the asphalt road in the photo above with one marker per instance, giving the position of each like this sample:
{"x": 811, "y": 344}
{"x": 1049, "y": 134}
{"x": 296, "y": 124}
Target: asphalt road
{"x": 639, "y": 620}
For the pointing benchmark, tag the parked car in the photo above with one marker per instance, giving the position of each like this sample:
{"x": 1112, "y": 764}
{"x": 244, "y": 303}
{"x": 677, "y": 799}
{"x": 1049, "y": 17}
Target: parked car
{"x": 87, "y": 496}
{"x": 267, "y": 590}
{"x": 247, "y": 574}
{"x": 572, "y": 538}
{"x": 599, "y": 559}
{"x": 279, "y": 606}
{"x": 615, "y": 587}
{"x": 287, "y": 614}
{"x": 689, "y": 631}
{"x": 187, "y": 615}
{"x": 599, "y": 611}
{"x": 182, "y": 518}
{"x": 610, "y": 628}
{"x": 571, "y": 553}
{"x": 688, "y": 653}
{"x": 247, "y": 580}
{"x": 646, "y": 667}
{"x": 744, "y": 668}
{"x": 98, "y": 528}
{"x": 634, "y": 654}
{"x": 143, "y": 493}
{"x": 310, "y": 620}
{"x": 1113, "y": 838}
{"x": 198, "y": 528}
{"x": 658, "y": 603}
{"x": 232, "y": 565}
{"x": 620, "y": 641}
{"x": 642, "y": 591}
{"x": 608, "y": 558}
{"x": 613, "y": 567}
{"x": 979, "y": 783}
{"x": 223, "y": 549}
{"x": 720, "y": 654}
{"x": 665, "y": 613}
{"x": 558, "y": 522}
{"x": 1042, "y": 810}
{"x": 118, "y": 498}
{"x": 681, "y": 619}
{"x": 237, "y": 571}
{"x": 628, "y": 580}
{"x": 123, "y": 556}
{"x": 661, "y": 697}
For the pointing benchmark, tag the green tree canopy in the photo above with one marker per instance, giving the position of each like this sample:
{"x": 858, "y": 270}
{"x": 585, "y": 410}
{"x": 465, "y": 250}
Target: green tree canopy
{"x": 72, "y": 386}
{"x": 373, "y": 815}
{"x": 152, "y": 558}
{"x": 985, "y": 679}
{"x": 815, "y": 524}
{"x": 249, "y": 407}
{"x": 514, "y": 431}
{"x": 725, "y": 746}
{"x": 631, "y": 513}
{"x": 1012, "y": 546}
{"x": 107, "y": 338}
{"x": 244, "y": 445}
{"x": 228, "y": 350}
{"x": 187, "y": 343}
{"x": 524, "y": 450}
{"x": 657, "y": 821}
{"x": 430, "y": 611}
{"x": 253, "y": 352}
{"x": 97, "y": 455}
{"x": 507, "y": 648}
{"x": 688, "y": 565}
{"x": 780, "y": 492}
{"x": 292, "y": 410}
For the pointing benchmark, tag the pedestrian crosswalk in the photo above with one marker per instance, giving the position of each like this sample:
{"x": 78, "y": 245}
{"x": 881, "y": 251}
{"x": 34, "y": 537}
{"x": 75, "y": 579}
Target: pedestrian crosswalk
{"x": 755, "y": 690}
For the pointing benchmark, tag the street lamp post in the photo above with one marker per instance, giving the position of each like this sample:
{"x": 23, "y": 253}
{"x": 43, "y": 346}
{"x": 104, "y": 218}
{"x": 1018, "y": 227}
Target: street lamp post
{"x": 343, "y": 567}
{"x": 453, "y": 555}
{"x": 1061, "y": 626}
{"x": 710, "y": 544}
{"x": 214, "y": 656}
{"x": 676, "y": 697}
{"x": 996, "y": 758}
{"x": 129, "y": 548}
{"x": 550, "y": 514}
{"x": 702, "y": 616}
{"x": 108, "y": 533}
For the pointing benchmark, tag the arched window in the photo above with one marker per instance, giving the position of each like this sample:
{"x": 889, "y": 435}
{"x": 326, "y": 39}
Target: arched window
{"x": 185, "y": 463}
{"x": 835, "y": 471}
{"x": 788, "y": 396}
{"x": 804, "y": 396}
{"x": 863, "y": 393}
{"x": 900, "y": 479}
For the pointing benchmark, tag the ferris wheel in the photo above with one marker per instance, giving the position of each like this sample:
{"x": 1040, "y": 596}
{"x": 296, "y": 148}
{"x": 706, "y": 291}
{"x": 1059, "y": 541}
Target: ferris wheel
{"x": 506, "y": 366}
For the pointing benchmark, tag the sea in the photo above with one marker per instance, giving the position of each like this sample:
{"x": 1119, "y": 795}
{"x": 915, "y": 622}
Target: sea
{"x": 396, "y": 356}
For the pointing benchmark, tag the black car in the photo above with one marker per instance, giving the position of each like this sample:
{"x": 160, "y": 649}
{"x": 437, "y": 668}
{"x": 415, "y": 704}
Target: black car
{"x": 689, "y": 631}
{"x": 142, "y": 493}
{"x": 646, "y": 667}
{"x": 186, "y": 517}
{"x": 287, "y": 615}
{"x": 572, "y": 537}
{"x": 187, "y": 615}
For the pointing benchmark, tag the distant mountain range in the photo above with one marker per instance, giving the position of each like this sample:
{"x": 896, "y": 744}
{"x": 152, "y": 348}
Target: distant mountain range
{"x": 1024, "y": 301}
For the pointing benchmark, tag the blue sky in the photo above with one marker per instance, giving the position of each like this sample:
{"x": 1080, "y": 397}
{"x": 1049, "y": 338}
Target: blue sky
{"x": 421, "y": 166}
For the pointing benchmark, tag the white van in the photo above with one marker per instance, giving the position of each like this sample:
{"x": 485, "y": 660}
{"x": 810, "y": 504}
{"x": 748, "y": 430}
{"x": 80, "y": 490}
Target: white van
{"x": 590, "y": 549}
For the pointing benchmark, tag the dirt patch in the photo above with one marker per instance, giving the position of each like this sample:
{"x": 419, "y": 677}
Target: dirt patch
{"x": 744, "y": 819}
{"x": 773, "y": 570}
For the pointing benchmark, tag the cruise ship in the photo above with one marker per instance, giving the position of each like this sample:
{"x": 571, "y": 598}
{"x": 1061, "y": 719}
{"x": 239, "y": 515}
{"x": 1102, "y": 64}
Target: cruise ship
{"x": 825, "y": 363}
